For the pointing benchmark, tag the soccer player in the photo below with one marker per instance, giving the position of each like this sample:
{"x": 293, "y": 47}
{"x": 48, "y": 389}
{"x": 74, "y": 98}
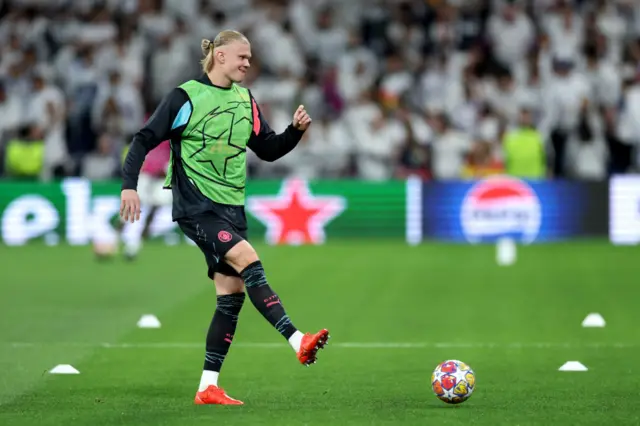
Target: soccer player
{"x": 151, "y": 193}
{"x": 152, "y": 196}
{"x": 210, "y": 123}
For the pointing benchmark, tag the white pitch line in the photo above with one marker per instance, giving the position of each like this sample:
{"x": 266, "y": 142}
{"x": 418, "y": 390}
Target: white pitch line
{"x": 346, "y": 345}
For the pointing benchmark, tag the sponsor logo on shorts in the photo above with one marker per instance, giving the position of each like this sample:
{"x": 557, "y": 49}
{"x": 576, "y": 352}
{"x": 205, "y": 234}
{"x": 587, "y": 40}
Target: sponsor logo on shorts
{"x": 224, "y": 236}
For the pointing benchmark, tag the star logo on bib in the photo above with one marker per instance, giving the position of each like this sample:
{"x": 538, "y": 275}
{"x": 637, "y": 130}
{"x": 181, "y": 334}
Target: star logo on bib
{"x": 295, "y": 216}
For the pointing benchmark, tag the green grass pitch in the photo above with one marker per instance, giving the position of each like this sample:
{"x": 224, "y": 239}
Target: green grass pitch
{"x": 515, "y": 326}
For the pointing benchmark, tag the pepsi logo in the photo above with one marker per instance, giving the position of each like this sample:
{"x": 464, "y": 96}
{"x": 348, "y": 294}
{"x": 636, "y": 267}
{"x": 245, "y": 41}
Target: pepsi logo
{"x": 500, "y": 207}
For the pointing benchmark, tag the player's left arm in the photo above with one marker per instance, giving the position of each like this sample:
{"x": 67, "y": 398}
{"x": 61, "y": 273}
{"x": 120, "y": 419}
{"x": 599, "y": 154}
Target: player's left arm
{"x": 270, "y": 146}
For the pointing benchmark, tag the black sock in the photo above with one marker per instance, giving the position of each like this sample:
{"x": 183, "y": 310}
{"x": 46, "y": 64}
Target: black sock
{"x": 266, "y": 300}
{"x": 222, "y": 329}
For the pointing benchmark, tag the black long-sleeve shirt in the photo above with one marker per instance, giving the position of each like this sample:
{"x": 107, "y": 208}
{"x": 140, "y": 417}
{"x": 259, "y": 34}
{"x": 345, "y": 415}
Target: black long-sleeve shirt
{"x": 267, "y": 145}
{"x": 161, "y": 126}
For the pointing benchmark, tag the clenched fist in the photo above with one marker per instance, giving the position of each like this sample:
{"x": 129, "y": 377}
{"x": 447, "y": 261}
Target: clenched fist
{"x": 301, "y": 119}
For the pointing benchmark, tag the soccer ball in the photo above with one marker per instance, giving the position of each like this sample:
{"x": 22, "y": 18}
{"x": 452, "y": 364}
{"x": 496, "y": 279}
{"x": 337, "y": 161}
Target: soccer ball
{"x": 104, "y": 251}
{"x": 453, "y": 381}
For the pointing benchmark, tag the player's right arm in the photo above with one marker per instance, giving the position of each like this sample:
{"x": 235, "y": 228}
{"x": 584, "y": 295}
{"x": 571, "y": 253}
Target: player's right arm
{"x": 165, "y": 122}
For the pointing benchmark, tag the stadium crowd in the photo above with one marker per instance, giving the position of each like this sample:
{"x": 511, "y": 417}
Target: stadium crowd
{"x": 442, "y": 89}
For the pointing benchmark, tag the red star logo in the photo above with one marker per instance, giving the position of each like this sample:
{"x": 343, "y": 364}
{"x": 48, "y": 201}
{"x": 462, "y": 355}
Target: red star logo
{"x": 295, "y": 216}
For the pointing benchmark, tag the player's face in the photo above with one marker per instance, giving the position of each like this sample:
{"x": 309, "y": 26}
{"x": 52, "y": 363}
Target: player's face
{"x": 237, "y": 60}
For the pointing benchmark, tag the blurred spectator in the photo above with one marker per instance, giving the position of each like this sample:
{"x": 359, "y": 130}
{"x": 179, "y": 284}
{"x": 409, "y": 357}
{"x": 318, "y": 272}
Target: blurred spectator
{"x": 440, "y": 84}
{"x": 524, "y": 149}
{"x": 104, "y": 162}
{"x": 376, "y": 142}
{"x": 10, "y": 118}
{"x": 587, "y": 152}
{"x": 24, "y": 155}
{"x": 396, "y": 81}
{"x": 610, "y": 23}
{"x": 323, "y": 151}
{"x": 511, "y": 33}
{"x": 565, "y": 94}
{"x": 482, "y": 162}
{"x": 172, "y": 59}
{"x": 357, "y": 69}
{"x": 565, "y": 28}
{"x": 503, "y": 99}
{"x": 414, "y": 156}
{"x": 117, "y": 100}
{"x": 47, "y": 110}
{"x": 449, "y": 148}
{"x": 626, "y": 136}
{"x": 603, "y": 77}
{"x": 330, "y": 40}
{"x": 125, "y": 55}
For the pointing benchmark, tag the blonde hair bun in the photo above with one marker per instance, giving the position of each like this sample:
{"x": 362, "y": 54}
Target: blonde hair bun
{"x": 206, "y": 45}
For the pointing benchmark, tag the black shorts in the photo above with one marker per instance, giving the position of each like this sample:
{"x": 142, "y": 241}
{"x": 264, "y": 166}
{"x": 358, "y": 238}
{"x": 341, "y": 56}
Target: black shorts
{"x": 216, "y": 232}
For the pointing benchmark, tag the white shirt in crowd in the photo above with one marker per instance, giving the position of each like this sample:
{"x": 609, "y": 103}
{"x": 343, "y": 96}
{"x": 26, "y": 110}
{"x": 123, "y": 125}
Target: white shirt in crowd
{"x": 168, "y": 64}
{"x": 47, "y": 110}
{"x": 566, "y": 34}
{"x": 129, "y": 60}
{"x": 448, "y": 151}
{"x": 357, "y": 70}
{"x": 588, "y": 159}
{"x": 629, "y": 123}
{"x": 11, "y": 116}
{"x": 441, "y": 88}
{"x": 605, "y": 82}
{"x": 511, "y": 40}
{"x": 129, "y": 103}
{"x": 504, "y": 101}
{"x": 613, "y": 26}
{"x": 323, "y": 151}
{"x": 376, "y": 141}
{"x": 563, "y": 99}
